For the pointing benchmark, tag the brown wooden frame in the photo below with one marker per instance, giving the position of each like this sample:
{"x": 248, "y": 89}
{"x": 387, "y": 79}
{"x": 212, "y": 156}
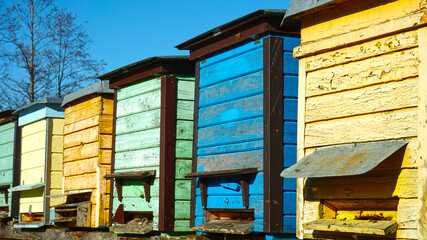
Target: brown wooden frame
{"x": 167, "y": 153}
{"x": 273, "y": 134}
{"x": 16, "y": 169}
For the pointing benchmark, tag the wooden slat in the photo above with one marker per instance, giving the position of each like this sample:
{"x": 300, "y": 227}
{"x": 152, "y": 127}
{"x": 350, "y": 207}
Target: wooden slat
{"x": 386, "y": 28}
{"x": 208, "y": 174}
{"x": 370, "y": 127}
{"x": 394, "y": 95}
{"x": 194, "y": 143}
{"x": 273, "y": 134}
{"x": 353, "y": 226}
{"x": 369, "y": 49}
{"x": 167, "y": 152}
{"x": 131, "y": 175}
{"x": 363, "y": 73}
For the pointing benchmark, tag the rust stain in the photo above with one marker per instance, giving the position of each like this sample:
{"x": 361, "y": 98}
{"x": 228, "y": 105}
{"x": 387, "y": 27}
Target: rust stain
{"x": 350, "y": 162}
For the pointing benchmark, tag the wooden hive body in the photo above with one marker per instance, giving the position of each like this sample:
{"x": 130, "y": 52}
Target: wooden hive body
{"x": 42, "y": 126}
{"x": 9, "y": 164}
{"x": 363, "y": 74}
{"x": 246, "y": 102}
{"x": 87, "y": 152}
{"x": 152, "y": 139}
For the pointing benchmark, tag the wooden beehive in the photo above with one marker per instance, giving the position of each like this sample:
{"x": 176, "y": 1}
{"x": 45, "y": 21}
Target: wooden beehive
{"x": 9, "y": 164}
{"x": 87, "y": 157}
{"x": 245, "y": 130}
{"x": 153, "y": 140}
{"x": 42, "y": 126}
{"x": 363, "y": 73}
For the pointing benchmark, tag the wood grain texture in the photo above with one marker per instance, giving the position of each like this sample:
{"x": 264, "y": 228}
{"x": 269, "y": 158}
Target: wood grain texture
{"x": 370, "y": 127}
{"x": 354, "y": 16}
{"x": 362, "y": 51}
{"x": 422, "y": 133}
{"x": 363, "y": 73}
{"x": 394, "y": 95}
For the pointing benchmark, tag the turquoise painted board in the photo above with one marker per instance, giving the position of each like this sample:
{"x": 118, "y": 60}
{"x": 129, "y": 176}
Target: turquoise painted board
{"x": 231, "y": 129}
{"x": 7, "y": 135}
{"x": 137, "y": 146}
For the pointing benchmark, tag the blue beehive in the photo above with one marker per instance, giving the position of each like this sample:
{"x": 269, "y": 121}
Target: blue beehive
{"x": 245, "y": 125}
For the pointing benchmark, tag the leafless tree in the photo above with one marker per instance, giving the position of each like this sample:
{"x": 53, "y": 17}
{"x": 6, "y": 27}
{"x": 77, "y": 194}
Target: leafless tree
{"x": 44, "y": 52}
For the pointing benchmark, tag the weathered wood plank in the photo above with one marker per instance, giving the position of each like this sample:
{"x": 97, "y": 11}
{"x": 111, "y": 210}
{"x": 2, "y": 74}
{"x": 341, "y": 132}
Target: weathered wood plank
{"x": 182, "y": 167}
{"x": 139, "y": 88}
{"x": 80, "y": 182}
{"x": 229, "y": 148}
{"x": 371, "y": 127}
{"x": 354, "y": 16}
{"x": 182, "y": 189}
{"x": 84, "y": 113}
{"x": 103, "y": 121}
{"x": 407, "y": 214}
{"x": 33, "y": 142}
{"x": 185, "y": 90}
{"x": 148, "y": 157}
{"x": 184, "y": 110}
{"x": 422, "y": 136}
{"x": 365, "y": 50}
{"x": 353, "y": 226}
{"x": 248, "y": 62}
{"x": 183, "y": 149}
{"x": 133, "y": 123}
{"x": 139, "y": 103}
{"x": 231, "y": 161}
{"x": 367, "y": 72}
{"x": 246, "y": 130}
{"x": 82, "y": 137}
{"x": 184, "y": 130}
{"x": 38, "y": 126}
{"x": 78, "y": 105}
{"x": 138, "y": 140}
{"x": 81, "y": 152}
{"x": 394, "y": 95}
{"x": 80, "y": 167}
{"x": 241, "y": 87}
{"x": 245, "y": 108}
{"x": 33, "y": 159}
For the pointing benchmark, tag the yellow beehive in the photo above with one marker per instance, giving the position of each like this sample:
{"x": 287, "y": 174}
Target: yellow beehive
{"x": 42, "y": 126}
{"x": 362, "y": 79}
{"x": 87, "y": 149}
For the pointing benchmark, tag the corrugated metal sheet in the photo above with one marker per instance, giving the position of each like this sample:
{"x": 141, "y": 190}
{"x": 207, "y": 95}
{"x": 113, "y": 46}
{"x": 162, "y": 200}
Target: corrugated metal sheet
{"x": 99, "y": 87}
{"x": 27, "y": 187}
{"x": 343, "y": 160}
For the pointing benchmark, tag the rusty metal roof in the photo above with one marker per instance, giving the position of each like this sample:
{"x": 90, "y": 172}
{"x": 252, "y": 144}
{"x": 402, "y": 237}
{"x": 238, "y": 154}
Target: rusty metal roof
{"x": 344, "y": 159}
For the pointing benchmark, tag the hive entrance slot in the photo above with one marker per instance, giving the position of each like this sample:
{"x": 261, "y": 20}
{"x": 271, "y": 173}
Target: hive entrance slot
{"x": 32, "y": 217}
{"x": 230, "y": 215}
{"x": 4, "y": 212}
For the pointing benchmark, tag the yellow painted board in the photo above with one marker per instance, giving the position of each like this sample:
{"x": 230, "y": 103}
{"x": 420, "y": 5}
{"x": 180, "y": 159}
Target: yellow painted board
{"x": 55, "y": 201}
{"x": 82, "y": 124}
{"x": 33, "y": 159}
{"x": 369, "y": 127}
{"x": 80, "y": 182}
{"x": 57, "y": 144}
{"x": 38, "y": 126}
{"x": 385, "y": 68}
{"x": 105, "y": 156}
{"x": 56, "y": 180}
{"x": 57, "y": 126}
{"x": 376, "y": 98}
{"x": 80, "y": 152}
{"x": 80, "y": 167}
{"x": 105, "y": 141}
{"x": 84, "y": 113}
{"x": 407, "y": 184}
{"x": 84, "y": 136}
{"x": 362, "y": 51}
{"x": 33, "y": 142}
{"x": 57, "y": 161}
{"x": 354, "y": 15}
{"x": 407, "y": 214}
{"x": 107, "y": 105}
{"x": 33, "y": 175}
{"x": 86, "y": 103}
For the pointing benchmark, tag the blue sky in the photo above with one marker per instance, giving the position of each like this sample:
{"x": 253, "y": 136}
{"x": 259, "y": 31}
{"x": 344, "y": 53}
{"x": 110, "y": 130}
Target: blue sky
{"x": 126, "y": 31}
